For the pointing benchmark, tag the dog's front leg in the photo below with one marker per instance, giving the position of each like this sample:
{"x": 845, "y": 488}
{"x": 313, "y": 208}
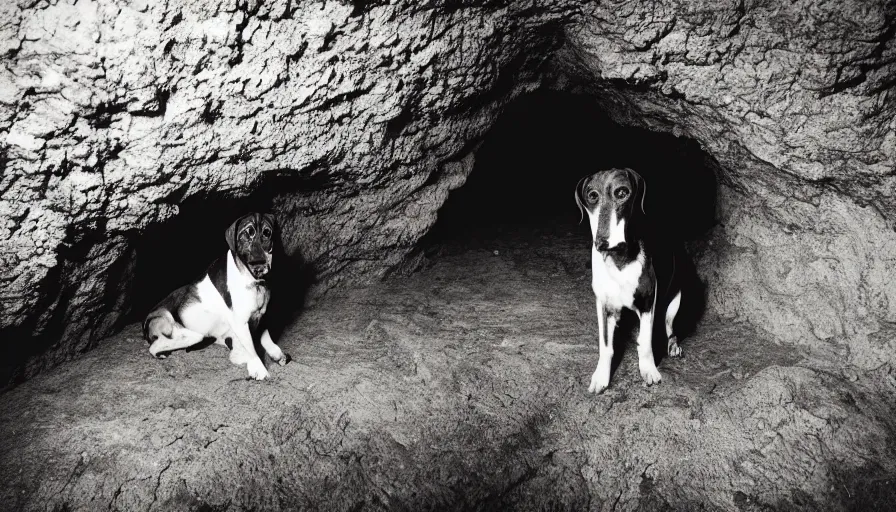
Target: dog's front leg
{"x": 606, "y": 325}
{"x": 646, "y": 363}
{"x": 253, "y": 363}
{"x": 272, "y": 349}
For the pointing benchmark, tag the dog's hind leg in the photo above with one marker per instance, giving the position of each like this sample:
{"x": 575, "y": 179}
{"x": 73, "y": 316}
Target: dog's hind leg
{"x": 180, "y": 338}
{"x": 273, "y": 350}
{"x": 673, "y": 349}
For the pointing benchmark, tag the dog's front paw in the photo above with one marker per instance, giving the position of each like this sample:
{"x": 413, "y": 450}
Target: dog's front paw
{"x": 257, "y": 370}
{"x": 600, "y": 379}
{"x": 674, "y": 350}
{"x": 649, "y": 373}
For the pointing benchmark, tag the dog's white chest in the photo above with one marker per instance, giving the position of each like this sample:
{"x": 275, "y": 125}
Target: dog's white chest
{"x": 249, "y": 301}
{"x": 249, "y": 298}
{"x": 615, "y": 287}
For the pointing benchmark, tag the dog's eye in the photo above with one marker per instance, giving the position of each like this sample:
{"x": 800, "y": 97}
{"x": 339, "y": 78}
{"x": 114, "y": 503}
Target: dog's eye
{"x": 266, "y": 232}
{"x": 592, "y": 195}
{"x": 621, "y": 193}
{"x": 250, "y": 231}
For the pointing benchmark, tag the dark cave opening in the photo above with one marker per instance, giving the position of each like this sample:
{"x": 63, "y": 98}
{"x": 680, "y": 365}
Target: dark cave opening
{"x": 544, "y": 142}
{"x": 521, "y": 189}
{"x": 179, "y": 251}
{"x": 175, "y": 252}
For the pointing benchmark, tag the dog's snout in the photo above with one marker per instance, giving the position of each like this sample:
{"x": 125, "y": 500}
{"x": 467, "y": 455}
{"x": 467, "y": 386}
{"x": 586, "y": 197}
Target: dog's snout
{"x": 601, "y": 243}
{"x": 258, "y": 270}
{"x": 257, "y": 255}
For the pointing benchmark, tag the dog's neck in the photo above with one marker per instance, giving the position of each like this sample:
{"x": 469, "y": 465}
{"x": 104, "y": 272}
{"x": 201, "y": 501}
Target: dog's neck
{"x": 621, "y": 256}
{"x": 243, "y": 271}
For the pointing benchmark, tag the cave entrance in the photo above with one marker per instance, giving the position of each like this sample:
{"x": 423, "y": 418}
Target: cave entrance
{"x": 518, "y": 201}
{"x": 179, "y": 251}
{"x": 544, "y": 142}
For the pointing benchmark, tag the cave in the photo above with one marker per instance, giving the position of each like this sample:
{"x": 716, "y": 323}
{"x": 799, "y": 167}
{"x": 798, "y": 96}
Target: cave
{"x": 519, "y": 191}
{"x": 433, "y": 285}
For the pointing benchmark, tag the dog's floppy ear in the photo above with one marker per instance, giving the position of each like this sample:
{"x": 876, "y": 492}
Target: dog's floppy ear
{"x": 640, "y": 188}
{"x": 230, "y": 235}
{"x": 578, "y": 194}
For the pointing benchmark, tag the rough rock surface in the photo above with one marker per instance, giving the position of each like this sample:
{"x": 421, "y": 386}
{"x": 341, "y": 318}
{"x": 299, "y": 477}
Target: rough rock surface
{"x": 460, "y": 388}
{"x": 112, "y": 113}
{"x": 362, "y": 115}
{"x": 796, "y": 103}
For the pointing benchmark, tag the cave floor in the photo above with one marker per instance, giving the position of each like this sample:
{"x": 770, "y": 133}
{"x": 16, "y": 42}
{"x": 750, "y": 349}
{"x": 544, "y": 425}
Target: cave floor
{"x": 462, "y": 386}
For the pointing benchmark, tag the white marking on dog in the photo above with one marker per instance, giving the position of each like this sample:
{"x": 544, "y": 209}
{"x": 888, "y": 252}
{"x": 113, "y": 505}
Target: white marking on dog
{"x": 600, "y": 379}
{"x": 180, "y": 338}
{"x": 615, "y": 287}
{"x": 208, "y": 316}
{"x": 617, "y": 231}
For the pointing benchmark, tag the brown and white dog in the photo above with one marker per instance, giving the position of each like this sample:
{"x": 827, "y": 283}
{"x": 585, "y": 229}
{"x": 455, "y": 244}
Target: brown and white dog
{"x": 622, "y": 263}
{"x": 228, "y": 303}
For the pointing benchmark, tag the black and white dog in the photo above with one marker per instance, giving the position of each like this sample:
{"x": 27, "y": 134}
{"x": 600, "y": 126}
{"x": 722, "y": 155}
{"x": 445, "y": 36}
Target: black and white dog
{"x": 228, "y": 303}
{"x": 623, "y": 258}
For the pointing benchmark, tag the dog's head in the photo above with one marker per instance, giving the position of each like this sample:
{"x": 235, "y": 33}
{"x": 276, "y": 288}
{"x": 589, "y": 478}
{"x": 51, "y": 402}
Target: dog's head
{"x": 251, "y": 240}
{"x": 611, "y": 198}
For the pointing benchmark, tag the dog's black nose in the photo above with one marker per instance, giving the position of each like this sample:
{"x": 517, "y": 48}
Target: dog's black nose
{"x": 601, "y": 243}
{"x": 258, "y": 270}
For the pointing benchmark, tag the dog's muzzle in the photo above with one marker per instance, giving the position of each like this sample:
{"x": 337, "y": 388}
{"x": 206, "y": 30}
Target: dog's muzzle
{"x": 259, "y": 270}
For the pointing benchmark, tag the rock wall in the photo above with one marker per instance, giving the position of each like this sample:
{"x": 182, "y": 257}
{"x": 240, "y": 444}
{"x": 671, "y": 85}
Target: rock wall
{"x": 113, "y": 113}
{"x": 796, "y": 103}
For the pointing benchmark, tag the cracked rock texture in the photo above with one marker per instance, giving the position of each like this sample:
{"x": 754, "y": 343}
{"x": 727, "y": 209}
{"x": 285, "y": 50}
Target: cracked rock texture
{"x": 362, "y": 115}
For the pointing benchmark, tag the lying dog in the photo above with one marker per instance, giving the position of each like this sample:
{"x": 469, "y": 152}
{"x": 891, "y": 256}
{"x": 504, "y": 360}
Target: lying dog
{"x": 228, "y": 303}
{"x": 622, "y": 264}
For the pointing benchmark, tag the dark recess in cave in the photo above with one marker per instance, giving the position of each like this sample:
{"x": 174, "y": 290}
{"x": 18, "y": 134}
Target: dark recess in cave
{"x": 177, "y": 252}
{"x": 528, "y": 166}
{"x": 546, "y": 141}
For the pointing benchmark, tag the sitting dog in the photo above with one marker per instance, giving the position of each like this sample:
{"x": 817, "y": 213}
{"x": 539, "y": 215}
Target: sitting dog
{"x": 228, "y": 303}
{"x": 622, "y": 265}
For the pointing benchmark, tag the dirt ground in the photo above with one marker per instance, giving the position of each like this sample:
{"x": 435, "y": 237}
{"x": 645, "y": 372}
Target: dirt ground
{"x": 461, "y": 387}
